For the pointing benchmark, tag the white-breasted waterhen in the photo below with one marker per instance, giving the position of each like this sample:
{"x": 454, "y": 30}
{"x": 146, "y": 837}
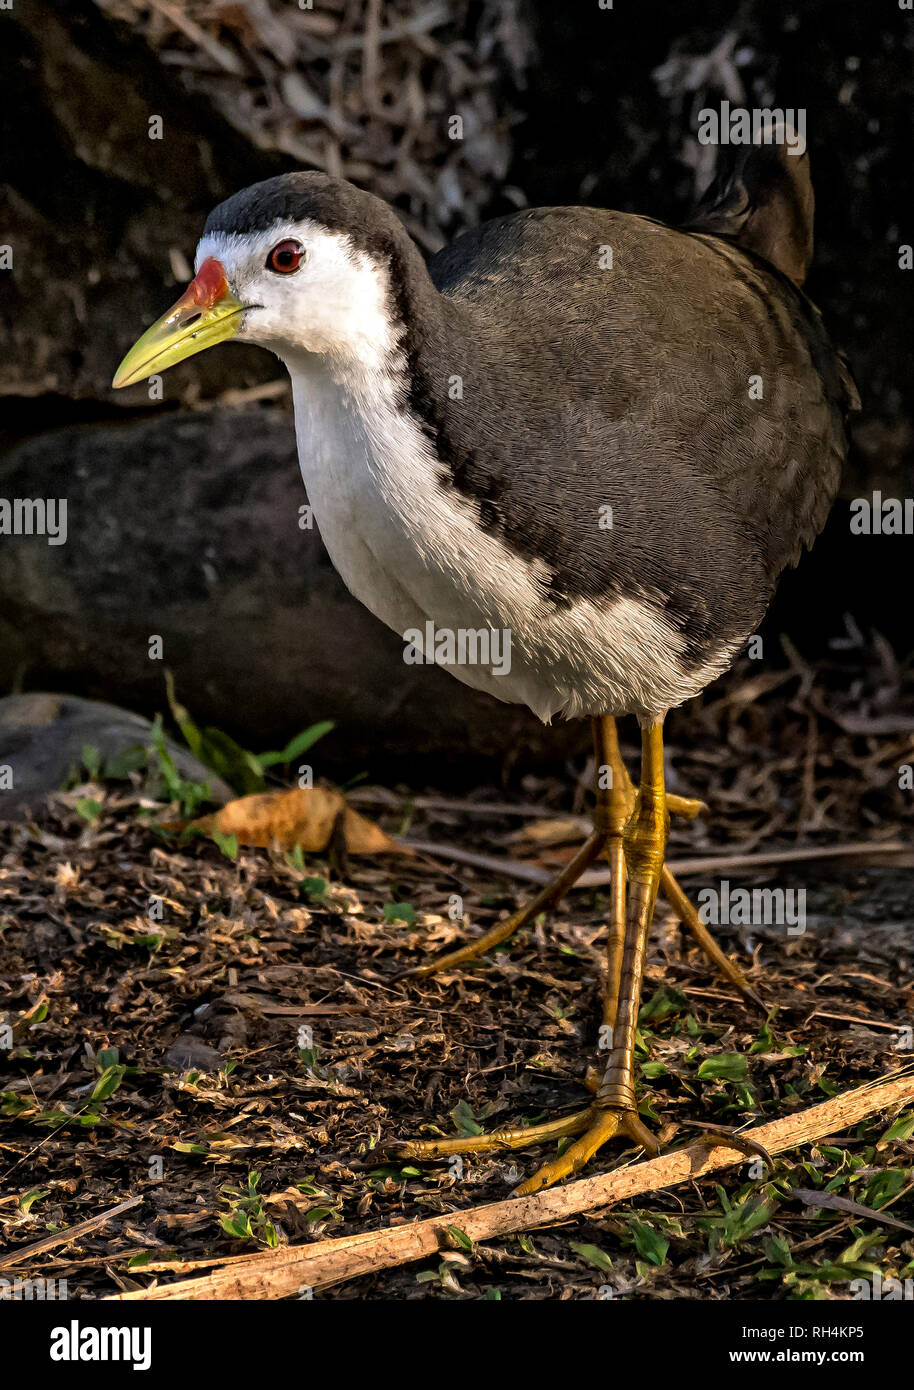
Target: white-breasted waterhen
{"x": 593, "y": 434}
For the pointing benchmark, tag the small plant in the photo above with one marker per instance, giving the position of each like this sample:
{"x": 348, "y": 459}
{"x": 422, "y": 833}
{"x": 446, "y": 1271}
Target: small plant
{"x": 738, "y": 1221}
{"x": 188, "y": 795}
{"x": 30, "y": 1198}
{"x": 246, "y": 1218}
{"x": 593, "y": 1255}
{"x": 111, "y": 1072}
{"x": 115, "y": 768}
{"x": 465, "y": 1120}
{"x": 400, "y": 912}
{"x": 244, "y": 771}
{"x": 314, "y": 888}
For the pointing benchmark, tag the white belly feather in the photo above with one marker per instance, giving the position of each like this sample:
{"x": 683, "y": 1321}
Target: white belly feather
{"x": 410, "y": 550}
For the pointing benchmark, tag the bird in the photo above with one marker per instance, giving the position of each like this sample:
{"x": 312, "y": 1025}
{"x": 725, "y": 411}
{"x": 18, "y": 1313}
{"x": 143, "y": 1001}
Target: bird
{"x": 578, "y": 445}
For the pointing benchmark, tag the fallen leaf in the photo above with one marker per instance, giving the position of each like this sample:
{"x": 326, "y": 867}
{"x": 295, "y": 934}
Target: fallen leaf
{"x": 593, "y": 1255}
{"x": 303, "y": 816}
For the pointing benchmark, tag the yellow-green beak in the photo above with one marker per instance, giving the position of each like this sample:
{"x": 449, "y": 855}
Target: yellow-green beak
{"x": 206, "y": 313}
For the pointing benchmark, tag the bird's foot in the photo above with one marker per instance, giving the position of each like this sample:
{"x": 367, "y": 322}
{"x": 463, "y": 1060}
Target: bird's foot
{"x": 594, "y": 1125}
{"x": 603, "y": 1125}
{"x": 631, "y": 829}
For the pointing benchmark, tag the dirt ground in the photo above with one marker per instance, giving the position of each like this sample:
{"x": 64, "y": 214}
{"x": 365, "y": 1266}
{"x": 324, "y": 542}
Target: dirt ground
{"x": 239, "y": 1062}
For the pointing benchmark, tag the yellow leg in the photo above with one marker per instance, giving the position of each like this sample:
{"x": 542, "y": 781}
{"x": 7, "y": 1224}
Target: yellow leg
{"x": 614, "y": 803}
{"x": 546, "y": 897}
{"x": 630, "y": 829}
{"x": 615, "y": 799}
{"x": 669, "y": 886}
{"x": 614, "y": 1107}
{"x": 687, "y": 807}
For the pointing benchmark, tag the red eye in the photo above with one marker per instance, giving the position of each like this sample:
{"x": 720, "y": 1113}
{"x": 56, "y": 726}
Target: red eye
{"x": 286, "y": 257}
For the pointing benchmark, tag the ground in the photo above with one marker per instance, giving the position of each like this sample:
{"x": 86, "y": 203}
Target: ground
{"x": 238, "y": 1063}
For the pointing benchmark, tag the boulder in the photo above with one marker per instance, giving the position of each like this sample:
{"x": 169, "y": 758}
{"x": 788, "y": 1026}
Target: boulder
{"x": 43, "y": 737}
{"x": 185, "y": 527}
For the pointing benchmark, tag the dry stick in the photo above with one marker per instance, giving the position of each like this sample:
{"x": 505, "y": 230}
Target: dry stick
{"x": 82, "y": 1228}
{"x": 225, "y": 58}
{"x": 599, "y": 878}
{"x": 296, "y": 1268}
{"x": 829, "y": 1201}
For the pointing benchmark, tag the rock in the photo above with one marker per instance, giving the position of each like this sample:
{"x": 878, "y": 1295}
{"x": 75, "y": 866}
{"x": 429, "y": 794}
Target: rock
{"x": 188, "y": 1053}
{"x": 42, "y": 738}
{"x": 186, "y": 527}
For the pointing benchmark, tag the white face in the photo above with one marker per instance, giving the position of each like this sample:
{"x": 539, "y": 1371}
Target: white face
{"x": 334, "y": 302}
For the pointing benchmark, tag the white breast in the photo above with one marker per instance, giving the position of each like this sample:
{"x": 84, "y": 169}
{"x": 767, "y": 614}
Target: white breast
{"x": 410, "y": 550}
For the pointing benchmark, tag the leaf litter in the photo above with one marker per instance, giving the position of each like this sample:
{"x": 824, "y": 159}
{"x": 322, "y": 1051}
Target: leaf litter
{"x": 224, "y": 1036}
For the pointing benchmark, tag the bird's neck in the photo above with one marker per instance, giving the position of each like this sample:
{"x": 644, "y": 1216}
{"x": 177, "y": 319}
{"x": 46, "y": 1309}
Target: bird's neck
{"x": 370, "y": 460}
{"x": 402, "y": 350}
{"x": 369, "y": 424}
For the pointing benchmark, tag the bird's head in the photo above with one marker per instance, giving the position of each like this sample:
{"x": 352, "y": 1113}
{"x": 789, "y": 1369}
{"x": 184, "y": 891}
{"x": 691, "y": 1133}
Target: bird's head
{"x": 299, "y": 263}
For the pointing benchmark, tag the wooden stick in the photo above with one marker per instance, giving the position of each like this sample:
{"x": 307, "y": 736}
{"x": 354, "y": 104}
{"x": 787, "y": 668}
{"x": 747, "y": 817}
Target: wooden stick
{"x": 226, "y": 59}
{"x": 82, "y": 1228}
{"x": 298, "y": 1269}
{"x": 875, "y": 850}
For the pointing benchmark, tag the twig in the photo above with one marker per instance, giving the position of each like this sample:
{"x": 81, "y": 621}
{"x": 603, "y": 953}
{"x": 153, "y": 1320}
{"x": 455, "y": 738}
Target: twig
{"x": 263, "y": 1004}
{"x": 221, "y": 55}
{"x": 82, "y": 1228}
{"x": 296, "y": 1268}
{"x": 724, "y": 863}
{"x": 850, "y": 1018}
{"x": 830, "y": 1202}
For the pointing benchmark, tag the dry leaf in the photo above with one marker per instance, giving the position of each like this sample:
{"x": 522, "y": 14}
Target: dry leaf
{"x": 304, "y": 816}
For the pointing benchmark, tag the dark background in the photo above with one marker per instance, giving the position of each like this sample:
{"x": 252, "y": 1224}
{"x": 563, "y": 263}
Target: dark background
{"x": 182, "y": 514}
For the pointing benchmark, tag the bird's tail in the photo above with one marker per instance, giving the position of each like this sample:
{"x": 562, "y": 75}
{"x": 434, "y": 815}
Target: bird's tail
{"x": 762, "y": 199}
